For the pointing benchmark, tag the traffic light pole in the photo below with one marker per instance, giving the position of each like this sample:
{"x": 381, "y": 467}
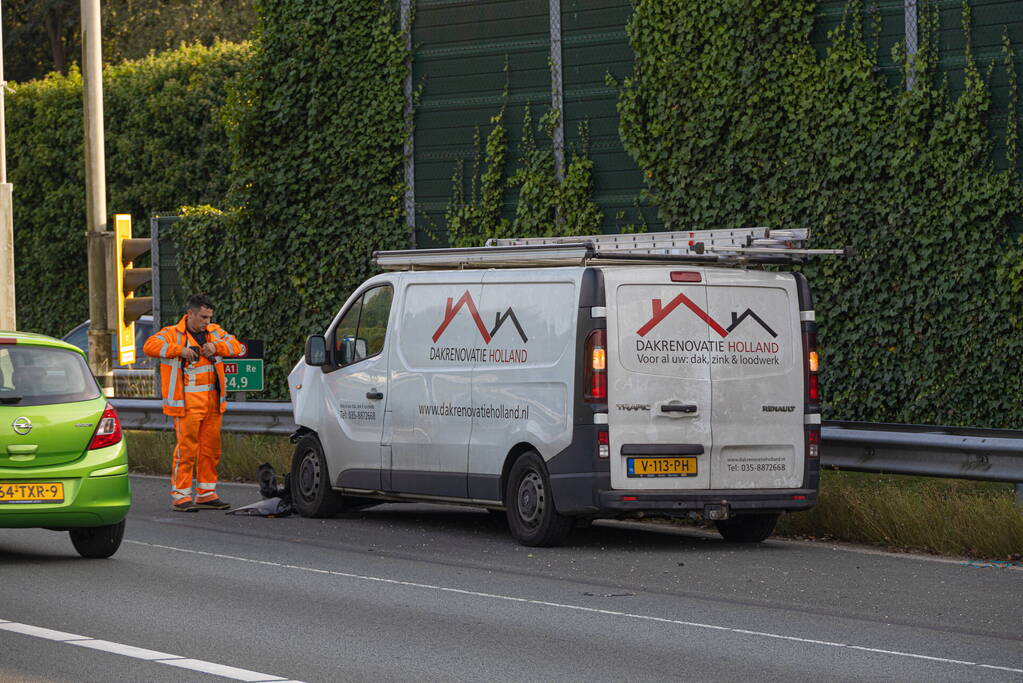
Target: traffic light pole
{"x": 99, "y": 238}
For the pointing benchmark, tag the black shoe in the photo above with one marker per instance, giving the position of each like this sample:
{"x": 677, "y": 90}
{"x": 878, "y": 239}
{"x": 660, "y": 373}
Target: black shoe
{"x": 184, "y": 506}
{"x": 215, "y": 504}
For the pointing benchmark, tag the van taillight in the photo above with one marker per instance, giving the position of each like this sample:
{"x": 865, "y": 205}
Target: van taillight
{"x": 595, "y": 375}
{"x": 813, "y": 441}
{"x": 603, "y": 445}
{"x": 813, "y": 392}
{"x": 108, "y": 432}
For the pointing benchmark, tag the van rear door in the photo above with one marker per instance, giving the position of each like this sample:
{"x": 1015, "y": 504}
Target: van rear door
{"x": 758, "y": 394}
{"x": 660, "y": 408}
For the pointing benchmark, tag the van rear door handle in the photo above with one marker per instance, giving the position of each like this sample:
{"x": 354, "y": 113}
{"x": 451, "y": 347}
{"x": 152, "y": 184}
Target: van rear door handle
{"x": 678, "y": 408}
{"x": 374, "y": 395}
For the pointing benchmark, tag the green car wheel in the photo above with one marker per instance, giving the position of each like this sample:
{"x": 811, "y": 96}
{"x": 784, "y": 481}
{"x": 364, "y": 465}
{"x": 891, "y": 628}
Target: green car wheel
{"x": 98, "y": 542}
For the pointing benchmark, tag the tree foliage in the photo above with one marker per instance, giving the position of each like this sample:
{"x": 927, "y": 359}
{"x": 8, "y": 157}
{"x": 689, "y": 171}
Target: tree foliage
{"x": 545, "y": 206}
{"x": 42, "y": 36}
{"x": 134, "y": 28}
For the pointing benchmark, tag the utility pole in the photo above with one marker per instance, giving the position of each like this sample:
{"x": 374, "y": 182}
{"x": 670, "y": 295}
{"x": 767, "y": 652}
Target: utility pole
{"x": 8, "y": 312}
{"x": 99, "y": 238}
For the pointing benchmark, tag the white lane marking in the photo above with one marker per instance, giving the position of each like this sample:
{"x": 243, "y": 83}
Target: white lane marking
{"x": 915, "y": 656}
{"x": 999, "y": 668}
{"x": 835, "y": 546}
{"x": 822, "y": 545}
{"x": 578, "y": 608}
{"x": 220, "y": 670}
{"x": 126, "y": 650}
{"x": 39, "y": 632}
{"x": 142, "y": 653}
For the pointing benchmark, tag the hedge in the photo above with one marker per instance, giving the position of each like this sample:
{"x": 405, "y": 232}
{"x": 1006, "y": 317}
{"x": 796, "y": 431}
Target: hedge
{"x": 165, "y": 146}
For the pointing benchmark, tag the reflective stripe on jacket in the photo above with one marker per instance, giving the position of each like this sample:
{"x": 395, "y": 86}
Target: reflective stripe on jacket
{"x": 185, "y": 385}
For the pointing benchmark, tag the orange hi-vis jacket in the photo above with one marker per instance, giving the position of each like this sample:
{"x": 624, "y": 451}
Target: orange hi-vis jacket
{"x": 187, "y": 385}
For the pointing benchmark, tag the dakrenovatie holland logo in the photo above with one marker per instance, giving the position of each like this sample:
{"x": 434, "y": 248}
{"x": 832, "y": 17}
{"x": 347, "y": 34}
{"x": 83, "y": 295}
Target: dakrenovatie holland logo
{"x": 661, "y": 312}
{"x": 473, "y": 354}
{"x": 704, "y": 351}
{"x": 450, "y": 311}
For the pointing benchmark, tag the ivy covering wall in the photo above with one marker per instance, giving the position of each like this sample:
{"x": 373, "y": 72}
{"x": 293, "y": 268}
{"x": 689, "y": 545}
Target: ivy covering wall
{"x": 316, "y": 126}
{"x": 736, "y": 122}
{"x": 165, "y": 146}
{"x": 547, "y": 205}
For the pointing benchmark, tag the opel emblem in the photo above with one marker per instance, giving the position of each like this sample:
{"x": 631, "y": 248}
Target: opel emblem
{"x": 22, "y": 425}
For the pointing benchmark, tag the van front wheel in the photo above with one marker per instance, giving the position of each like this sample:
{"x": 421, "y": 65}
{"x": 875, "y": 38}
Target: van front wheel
{"x": 532, "y": 517}
{"x": 311, "y": 493}
{"x": 747, "y": 528}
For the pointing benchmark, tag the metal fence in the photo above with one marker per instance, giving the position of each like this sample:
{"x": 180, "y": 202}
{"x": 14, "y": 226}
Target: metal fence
{"x": 956, "y": 452}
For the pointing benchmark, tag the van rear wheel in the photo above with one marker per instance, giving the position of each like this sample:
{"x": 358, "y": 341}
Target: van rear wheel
{"x": 532, "y": 518}
{"x": 747, "y": 528}
{"x": 311, "y": 493}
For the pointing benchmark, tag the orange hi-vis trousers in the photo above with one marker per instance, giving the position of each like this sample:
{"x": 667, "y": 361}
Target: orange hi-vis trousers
{"x": 198, "y": 449}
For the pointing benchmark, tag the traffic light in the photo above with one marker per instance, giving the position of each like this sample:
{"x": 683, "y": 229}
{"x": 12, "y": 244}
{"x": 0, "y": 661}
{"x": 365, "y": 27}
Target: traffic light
{"x": 128, "y": 279}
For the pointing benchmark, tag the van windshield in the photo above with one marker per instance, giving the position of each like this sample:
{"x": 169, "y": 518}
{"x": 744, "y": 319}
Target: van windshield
{"x": 41, "y": 375}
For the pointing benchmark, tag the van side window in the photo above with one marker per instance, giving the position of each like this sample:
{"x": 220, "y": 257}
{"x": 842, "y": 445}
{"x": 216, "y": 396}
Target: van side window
{"x": 376, "y": 308}
{"x": 360, "y": 332}
{"x": 347, "y": 330}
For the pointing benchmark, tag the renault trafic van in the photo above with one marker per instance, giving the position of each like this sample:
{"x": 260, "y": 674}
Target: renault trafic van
{"x": 565, "y": 380}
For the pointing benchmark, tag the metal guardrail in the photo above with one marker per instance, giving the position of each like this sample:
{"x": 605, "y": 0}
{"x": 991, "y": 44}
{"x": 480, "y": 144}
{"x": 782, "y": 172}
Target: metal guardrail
{"x": 961, "y": 453}
{"x": 246, "y": 417}
{"x": 955, "y": 452}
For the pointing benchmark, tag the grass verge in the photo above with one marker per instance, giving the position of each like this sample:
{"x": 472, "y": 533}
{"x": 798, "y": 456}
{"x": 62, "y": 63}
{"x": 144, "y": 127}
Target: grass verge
{"x": 152, "y": 453}
{"x": 943, "y": 516}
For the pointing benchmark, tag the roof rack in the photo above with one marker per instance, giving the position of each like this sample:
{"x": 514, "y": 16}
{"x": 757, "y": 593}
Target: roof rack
{"x": 727, "y": 247}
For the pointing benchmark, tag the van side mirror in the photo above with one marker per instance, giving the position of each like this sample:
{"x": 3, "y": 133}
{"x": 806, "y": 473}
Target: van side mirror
{"x": 315, "y": 350}
{"x": 352, "y": 349}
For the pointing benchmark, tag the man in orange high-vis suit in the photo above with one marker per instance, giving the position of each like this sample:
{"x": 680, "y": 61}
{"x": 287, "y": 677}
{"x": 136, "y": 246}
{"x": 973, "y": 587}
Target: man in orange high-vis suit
{"x": 195, "y": 395}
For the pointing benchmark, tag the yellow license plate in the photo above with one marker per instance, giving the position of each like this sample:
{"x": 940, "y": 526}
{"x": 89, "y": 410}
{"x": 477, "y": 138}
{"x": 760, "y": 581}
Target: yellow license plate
{"x": 662, "y": 467}
{"x": 32, "y": 492}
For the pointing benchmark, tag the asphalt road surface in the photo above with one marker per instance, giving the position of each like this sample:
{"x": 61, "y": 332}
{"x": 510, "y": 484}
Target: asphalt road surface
{"x": 442, "y": 593}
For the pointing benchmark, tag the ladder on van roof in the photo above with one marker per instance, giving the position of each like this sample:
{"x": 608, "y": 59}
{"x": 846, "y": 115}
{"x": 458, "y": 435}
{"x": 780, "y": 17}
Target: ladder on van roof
{"x": 742, "y": 246}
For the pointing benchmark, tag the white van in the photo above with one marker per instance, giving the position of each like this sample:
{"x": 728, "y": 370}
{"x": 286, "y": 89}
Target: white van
{"x": 569, "y": 380}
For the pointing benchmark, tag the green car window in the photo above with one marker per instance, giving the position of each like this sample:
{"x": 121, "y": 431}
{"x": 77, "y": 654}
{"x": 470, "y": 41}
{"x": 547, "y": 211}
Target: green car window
{"x": 40, "y": 375}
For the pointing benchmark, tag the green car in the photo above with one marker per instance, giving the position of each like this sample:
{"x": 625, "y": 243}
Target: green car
{"x": 63, "y": 460}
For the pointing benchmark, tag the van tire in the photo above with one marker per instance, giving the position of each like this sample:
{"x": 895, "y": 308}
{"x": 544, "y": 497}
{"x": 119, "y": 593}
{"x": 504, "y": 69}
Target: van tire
{"x": 747, "y": 528}
{"x": 97, "y": 542}
{"x": 311, "y": 493}
{"x": 532, "y": 518}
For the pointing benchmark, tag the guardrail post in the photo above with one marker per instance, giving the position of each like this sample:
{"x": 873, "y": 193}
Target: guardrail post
{"x": 1019, "y": 494}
